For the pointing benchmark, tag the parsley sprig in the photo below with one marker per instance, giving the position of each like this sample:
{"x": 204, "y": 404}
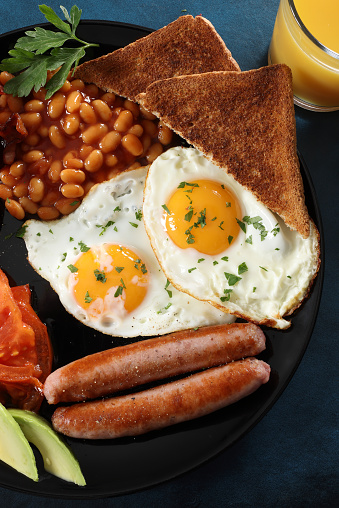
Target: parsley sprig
{"x": 40, "y": 51}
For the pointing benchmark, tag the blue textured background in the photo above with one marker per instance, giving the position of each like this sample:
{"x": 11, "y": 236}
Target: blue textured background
{"x": 290, "y": 459}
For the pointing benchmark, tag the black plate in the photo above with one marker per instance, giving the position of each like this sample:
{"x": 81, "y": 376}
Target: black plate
{"x": 125, "y": 465}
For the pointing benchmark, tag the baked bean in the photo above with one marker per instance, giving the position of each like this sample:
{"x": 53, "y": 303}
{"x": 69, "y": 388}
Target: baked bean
{"x": 28, "y": 205}
{"x": 92, "y": 90}
{"x": 32, "y": 139}
{"x": 132, "y": 144}
{"x": 77, "y": 84}
{"x": 8, "y": 155}
{"x": 71, "y": 124}
{"x": 15, "y": 208}
{"x": 146, "y": 114}
{"x": 43, "y": 131}
{"x": 94, "y": 161}
{"x": 17, "y": 169}
{"x": 153, "y": 152}
{"x": 66, "y": 87}
{"x": 5, "y": 192}
{"x": 32, "y": 156}
{"x": 132, "y": 107}
{"x": 149, "y": 127}
{"x": 102, "y": 109}
{"x": 48, "y": 213}
{"x": 36, "y": 189}
{"x": 109, "y": 98}
{"x": 124, "y": 121}
{"x": 94, "y": 133}
{"x": 4, "y": 116}
{"x": 137, "y": 130}
{"x": 135, "y": 165}
{"x": 72, "y": 176}
{"x": 50, "y": 198}
{"x": 40, "y": 94}
{"x": 3, "y": 101}
{"x": 73, "y": 101}
{"x": 85, "y": 150}
{"x": 146, "y": 142}
{"x": 35, "y": 106}
{"x": 41, "y": 166}
{"x": 67, "y": 205}
{"x": 55, "y": 170}
{"x": 7, "y": 178}
{"x": 15, "y": 104}
{"x": 56, "y": 136}
{"x": 88, "y": 185}
{"x": 21, "y": 189}
{"x": 56, "y": 105}
{"x": 5, "y": 76}
{"x": 87, "y": 113}
{"x": 111, "y": 160}
{"x": 73, "y": 163}
{"x": 31, "y": 120}
{"x": 110, "y": 142}
{"x": 72, "y": 190}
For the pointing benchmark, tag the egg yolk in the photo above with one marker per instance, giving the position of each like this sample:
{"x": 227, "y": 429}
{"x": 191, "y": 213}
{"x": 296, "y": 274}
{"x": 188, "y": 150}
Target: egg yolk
{"x": 109, "y": 279}
{"x": 202, "y": 215}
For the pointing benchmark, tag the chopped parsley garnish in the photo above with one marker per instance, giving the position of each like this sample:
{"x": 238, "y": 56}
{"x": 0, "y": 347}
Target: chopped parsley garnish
{"x": 190, "y": 237}
{"x": 50, "y": 231}
{"x": 120, "y": 289}
{"x": 83, "y": 247}
{"x": 134, "y": 224}
{"x": 169, "y": 292}
{"x": 254, "y": 289}
{"x": 166, "y": 209}
{"x": 21, "y": 231}
{"x": 71, "y": 239}
{"x": 227, "y": 293}
{"x": 64, "y": 256}
{"x": 249, "y": 239}
{"x": 242, "y": 268}
{"x": 88, "y": 299}
{"x": 182, "y": 185}
{"x": 119, "y": 268}
{"x": 220, "y": 225}
{"x": 100, "y": 276}
{"x": 189, "y": 215}
{"x": 72, "y": 268}
{"x": 231, "y": 278}
{"x": 228, "y": 204}
{"x": 215, "y": 263}
{"x": 276, "y": 229}
{"x": 257, "y": 224}
{"x": 74, "y": 203}
{"x": 242, "y": 225}
{"x": 200, "y": 260}
{"x": 191, "y": 269}
{"x": 225, "y": 258}
{"x": 103, "y": 228}
{"x": 138, "y": 214}
{"x": 229, "y": 238}
{"x": 265, "y": 269}
{"x": 201, "y": 219}
{"x": 165, "y": 308}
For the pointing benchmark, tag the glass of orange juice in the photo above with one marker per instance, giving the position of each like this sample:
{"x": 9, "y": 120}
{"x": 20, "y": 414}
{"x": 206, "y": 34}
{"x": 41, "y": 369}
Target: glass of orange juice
{"x": 306, "y": 38}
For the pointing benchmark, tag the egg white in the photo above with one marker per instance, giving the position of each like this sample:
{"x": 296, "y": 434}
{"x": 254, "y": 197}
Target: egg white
{"x": 280, "y": 266}
{"x": 54, "y": 245}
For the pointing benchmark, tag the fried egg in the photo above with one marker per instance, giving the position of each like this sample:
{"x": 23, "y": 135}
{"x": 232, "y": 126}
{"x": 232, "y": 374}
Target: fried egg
{"x": 100, "y": 262}
{"x": 217, "y": 242}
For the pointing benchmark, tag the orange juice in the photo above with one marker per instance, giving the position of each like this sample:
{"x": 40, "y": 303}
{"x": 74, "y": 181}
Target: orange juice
{"x": 306, "y": 38}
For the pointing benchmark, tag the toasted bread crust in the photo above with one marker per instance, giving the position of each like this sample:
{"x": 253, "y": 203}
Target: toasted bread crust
{"x": 188, "y": 45}
{"x": 243, "y": 122}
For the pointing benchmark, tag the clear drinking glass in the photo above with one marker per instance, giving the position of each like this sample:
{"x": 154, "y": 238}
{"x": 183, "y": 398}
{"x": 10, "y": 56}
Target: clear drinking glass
{"x": 315, "y": 68}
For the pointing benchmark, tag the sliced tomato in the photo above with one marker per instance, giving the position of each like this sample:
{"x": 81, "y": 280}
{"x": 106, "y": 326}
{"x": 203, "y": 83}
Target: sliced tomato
{"x": 25, "y": 349}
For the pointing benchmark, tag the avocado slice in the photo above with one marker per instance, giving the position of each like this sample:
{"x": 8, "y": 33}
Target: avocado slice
{"x": 14, "y": 447}
{"x": 57, "y": 456}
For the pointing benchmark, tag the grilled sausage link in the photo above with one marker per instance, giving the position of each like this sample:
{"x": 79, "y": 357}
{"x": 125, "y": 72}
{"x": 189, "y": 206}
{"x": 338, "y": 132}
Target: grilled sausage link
{"x": 162, "y": 406}
{"x": 149, "y": 360}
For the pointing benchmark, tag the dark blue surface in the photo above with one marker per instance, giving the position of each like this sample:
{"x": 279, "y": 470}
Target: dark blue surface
{"x": 290, "y": 459}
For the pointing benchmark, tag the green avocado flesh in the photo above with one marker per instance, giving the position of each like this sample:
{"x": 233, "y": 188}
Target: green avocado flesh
{"x": 14, "y": 447}
{"x": 58, "y": 458}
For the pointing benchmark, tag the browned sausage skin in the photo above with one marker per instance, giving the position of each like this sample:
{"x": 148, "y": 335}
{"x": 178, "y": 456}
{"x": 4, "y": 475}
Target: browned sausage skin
{"x": 135, "y": 364}
{"x": 162, "y": 406}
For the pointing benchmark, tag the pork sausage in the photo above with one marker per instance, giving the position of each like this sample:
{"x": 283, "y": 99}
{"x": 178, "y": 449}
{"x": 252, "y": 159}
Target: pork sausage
{"x": 162, "y": 406}
{"x": 149, "y": 360}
